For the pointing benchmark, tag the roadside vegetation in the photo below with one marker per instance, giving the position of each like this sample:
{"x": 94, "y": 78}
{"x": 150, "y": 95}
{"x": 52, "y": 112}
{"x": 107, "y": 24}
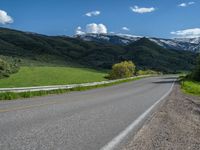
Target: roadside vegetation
{"x": 191, "y": 83}
{"x": 6, "y": 69}
{"x": 127, "y": 69}
{"x": 191, "y": 87}
{"x": 29, "y": 76}
{"x": 42, "y": 76}
{"x": 121, "y": 70}
{"x": 146, "y": 72}
{"x": 11, "y": 95}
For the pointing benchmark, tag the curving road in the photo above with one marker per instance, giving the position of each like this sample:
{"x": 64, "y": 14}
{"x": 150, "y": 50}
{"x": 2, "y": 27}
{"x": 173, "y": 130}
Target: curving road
{"x": 80, "y": 120}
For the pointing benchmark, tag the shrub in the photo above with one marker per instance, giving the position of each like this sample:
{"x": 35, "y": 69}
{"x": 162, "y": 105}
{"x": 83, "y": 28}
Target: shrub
{"x": 146, "y": 72}
{"x": 124, "y": 69}
{"x": 7, "y": 68}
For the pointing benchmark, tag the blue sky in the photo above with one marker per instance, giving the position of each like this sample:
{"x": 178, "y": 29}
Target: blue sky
{"x": 157, "y": 18}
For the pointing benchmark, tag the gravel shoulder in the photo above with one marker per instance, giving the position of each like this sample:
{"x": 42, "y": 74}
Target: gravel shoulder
{"x": 175, "y": 126}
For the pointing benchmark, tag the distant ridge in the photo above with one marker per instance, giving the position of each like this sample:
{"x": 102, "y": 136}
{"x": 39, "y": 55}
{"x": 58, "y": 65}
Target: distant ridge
{"x": 62, "y": 50}
{"x": 187, "y": 44}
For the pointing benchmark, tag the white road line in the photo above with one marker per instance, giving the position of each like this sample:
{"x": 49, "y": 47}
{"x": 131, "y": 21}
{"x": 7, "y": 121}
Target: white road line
{"x": 118, "y": 139}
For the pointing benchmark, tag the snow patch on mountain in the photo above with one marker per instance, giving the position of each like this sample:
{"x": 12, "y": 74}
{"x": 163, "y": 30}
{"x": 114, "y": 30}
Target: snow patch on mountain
{"x": 188, "y": 44}
{"x": 189, "y": 40}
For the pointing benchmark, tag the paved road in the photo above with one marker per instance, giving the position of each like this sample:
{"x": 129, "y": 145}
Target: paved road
{"x": 77, "y": 121}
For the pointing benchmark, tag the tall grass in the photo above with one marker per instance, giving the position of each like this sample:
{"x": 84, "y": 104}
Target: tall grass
{"x": 191, "y": 87}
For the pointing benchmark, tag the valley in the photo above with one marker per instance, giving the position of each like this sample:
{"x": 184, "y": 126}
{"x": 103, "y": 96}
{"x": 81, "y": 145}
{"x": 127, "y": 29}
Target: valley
{"x": 99, "y": 75}
{"x": 73, "y": 52}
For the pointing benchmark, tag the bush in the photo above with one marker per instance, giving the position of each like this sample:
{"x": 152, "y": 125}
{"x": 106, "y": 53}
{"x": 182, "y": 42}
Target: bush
{"x": 124, "y": 69}
{"x": 7, "y": 68}
{"x": 146, "y": 72}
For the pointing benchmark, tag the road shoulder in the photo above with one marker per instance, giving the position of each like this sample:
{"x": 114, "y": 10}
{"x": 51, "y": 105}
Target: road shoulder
{"x": 176, "y": 125}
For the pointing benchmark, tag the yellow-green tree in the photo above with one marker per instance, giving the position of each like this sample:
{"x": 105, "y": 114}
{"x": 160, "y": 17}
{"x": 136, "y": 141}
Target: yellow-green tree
{"x": 124, "y": 69}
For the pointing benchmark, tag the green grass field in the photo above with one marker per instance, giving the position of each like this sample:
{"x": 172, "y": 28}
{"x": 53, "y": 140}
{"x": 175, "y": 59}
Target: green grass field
{"x": 191, "y": 87}
{"x": 41, "y": 76}
{"x": 10, "y": 95}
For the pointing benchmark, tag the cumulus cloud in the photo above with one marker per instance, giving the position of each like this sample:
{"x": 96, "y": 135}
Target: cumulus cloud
{"x": 125, "y": 29}
{"x": 142, "y": 10}
{"x": 186, "y": 4}
{"x": 188, "y": 33}
{"x": 92, "y": 28}
{"x": 93, "y": 13}
{"x": 79, "y": 31}
{"x": 96, "y": 28}
{"x": 5, "y": 18}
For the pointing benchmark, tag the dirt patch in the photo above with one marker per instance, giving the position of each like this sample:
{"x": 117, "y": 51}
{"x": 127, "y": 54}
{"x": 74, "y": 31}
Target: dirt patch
{"x": 176, "y": 126}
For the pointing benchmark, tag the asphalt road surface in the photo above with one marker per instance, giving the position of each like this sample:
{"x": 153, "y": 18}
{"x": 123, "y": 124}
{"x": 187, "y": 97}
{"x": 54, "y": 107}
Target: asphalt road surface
{"x": 80, "y": 120}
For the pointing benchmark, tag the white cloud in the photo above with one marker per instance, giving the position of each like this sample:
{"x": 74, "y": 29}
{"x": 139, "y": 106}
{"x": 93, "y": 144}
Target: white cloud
{"x": 78, "y": 31}
{"x": 96, "y": 28}
{"x": 191, "y": 3}
{"x": 188, "y": 33}
{"x": 93, "y": 13}
{"x": 142, "y": 10}
{"x": 182, "y": 5}
{"x": 186, "y": 4}
{"x": 92, "y": 28}
{"x": 5, "y": 18}
{"x": 125, "y": 29}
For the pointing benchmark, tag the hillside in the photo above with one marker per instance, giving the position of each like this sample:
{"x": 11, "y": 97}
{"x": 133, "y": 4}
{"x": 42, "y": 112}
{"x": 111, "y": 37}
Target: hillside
{"x": 149, "y": 54}
{"x": 62, "y": 50}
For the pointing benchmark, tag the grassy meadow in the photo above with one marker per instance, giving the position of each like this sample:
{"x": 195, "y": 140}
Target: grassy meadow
{"x": 11, "y": 95}
{"x": 191, "y": 87}
{"x": 41, "y": 76}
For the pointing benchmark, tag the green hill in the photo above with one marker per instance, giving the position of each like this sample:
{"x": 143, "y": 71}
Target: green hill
{"x": 61, "y": 50}
{"x": 150, "y": 55}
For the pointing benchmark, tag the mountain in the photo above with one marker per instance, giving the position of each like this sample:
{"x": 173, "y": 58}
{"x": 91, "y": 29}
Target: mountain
{"x": 151, "y": 55}
{"x": 188, "y": 44}
{"x": 189, "y": 40}
{"x": 62, "y": 50}
{"x": 117, "y": 39}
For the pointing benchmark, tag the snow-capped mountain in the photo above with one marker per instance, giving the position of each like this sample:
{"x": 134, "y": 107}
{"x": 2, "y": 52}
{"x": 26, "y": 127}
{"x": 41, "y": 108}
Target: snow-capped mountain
{"x": 179, "y": 44}
{"x": 119, "y": 39}
{"x": 188, "y": 44}
{"x": 190, "y": 40}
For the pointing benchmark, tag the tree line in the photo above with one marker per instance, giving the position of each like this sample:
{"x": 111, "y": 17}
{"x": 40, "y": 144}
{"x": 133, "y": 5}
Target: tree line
{"x": 127, "y": 69}
{"x": 195, "y": 75}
